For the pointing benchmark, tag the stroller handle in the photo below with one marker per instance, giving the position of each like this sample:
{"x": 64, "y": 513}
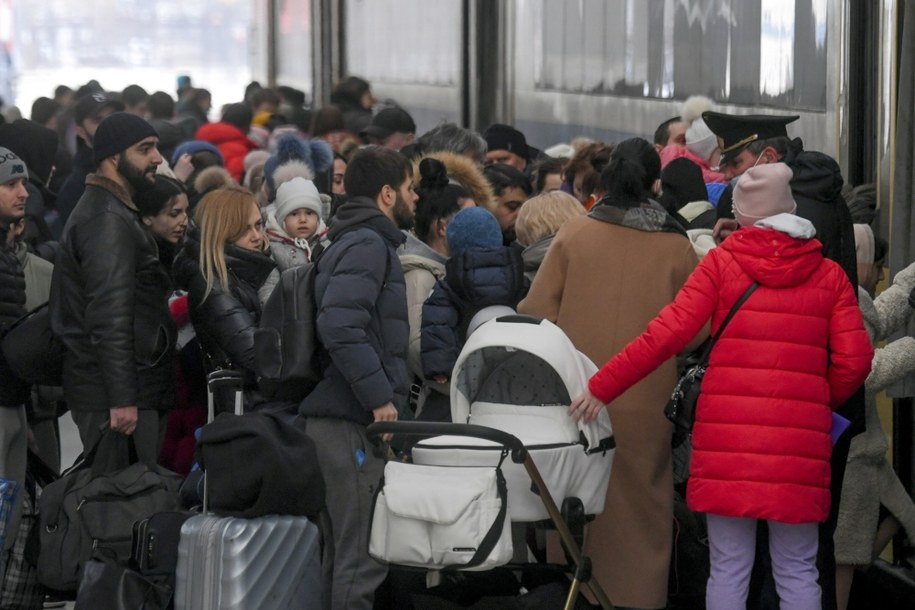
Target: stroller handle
{"x": 414, "y": 428}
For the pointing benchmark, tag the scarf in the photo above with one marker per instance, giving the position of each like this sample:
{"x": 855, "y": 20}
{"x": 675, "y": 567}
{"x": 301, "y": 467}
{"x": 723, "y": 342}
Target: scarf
{"x": 645, "y": 216}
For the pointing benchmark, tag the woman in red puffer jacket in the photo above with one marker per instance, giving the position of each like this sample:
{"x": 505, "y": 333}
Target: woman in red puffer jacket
{"x": 794, "y": 351}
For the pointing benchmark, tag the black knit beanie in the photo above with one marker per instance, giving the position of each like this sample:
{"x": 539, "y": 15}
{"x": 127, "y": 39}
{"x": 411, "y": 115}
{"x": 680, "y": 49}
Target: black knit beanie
{"x": 118, "y": 132}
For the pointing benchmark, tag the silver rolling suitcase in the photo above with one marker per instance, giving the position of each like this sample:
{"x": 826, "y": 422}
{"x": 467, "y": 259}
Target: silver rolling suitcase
{"x": 229, "y": 563}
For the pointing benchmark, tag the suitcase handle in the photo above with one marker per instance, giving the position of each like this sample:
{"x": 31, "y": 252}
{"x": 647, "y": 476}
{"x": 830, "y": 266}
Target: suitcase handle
{"x": 414, "y": 428}
{"x": 225, "y": 378}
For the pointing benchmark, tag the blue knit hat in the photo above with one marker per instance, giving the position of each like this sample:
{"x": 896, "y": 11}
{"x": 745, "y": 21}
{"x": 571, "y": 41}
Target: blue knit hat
{"x": 296, "y": 157}
{"x": 473, "y": 228}
{"x": 195, "y": 146}
{"x": 118, "y": 132}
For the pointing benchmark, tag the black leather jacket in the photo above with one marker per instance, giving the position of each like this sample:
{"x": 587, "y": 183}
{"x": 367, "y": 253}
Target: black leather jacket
{"x": 225, "y": 321}
{"x": 109, "y": 306}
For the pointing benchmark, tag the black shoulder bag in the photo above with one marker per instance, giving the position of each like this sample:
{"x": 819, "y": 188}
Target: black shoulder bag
{"x": 681, "y": 408}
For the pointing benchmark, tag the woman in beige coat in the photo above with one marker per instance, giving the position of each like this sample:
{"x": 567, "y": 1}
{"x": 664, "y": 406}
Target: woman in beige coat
{"x": 604, "y": 278}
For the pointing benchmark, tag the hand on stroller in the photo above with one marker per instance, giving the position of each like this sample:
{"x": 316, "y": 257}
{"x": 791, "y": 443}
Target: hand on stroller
{"x": 386, "y": 412}
{"x": 586, "y": 406}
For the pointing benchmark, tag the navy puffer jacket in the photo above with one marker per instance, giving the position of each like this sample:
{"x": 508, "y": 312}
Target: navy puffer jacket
{"x": 362, "y": 317}
{"x": 473, "y": 280}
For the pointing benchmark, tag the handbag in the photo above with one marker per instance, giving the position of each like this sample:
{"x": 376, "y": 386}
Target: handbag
{"x": 441, "y": 517}
{"x": 107, "y": 585}
{"x": 34, "y": 353}
{"x": 90, "y": 513}
{"x": 681, "y": 408}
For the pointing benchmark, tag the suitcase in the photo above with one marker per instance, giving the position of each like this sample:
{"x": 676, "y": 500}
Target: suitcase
{"x": 267, "y": 563}
{"x": 229, "y": 563}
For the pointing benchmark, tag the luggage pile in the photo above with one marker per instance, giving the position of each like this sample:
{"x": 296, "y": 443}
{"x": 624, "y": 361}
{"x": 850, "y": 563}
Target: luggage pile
{"x": 114, "y": 532}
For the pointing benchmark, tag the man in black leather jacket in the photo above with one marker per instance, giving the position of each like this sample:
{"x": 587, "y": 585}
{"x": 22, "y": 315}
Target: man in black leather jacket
{"x": 109, "y": 296}
{"x": 13, "y": 393}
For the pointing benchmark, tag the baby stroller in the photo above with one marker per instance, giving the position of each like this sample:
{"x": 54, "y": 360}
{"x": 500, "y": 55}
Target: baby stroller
{"x": 510, "y": 391}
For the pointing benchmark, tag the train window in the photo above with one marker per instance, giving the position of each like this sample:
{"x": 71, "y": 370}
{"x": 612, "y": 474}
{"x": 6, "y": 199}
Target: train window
{"x": 293, "y": 44}
{"x": 754, "y": 52}
{"x": 404, "y": 41}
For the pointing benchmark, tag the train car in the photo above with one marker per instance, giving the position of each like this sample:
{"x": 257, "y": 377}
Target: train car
{"x": 606, "y": 69}
{"x": 612, "y": 69}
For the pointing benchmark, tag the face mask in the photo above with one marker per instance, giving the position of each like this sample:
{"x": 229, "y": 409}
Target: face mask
{"x": 735, "y": 178}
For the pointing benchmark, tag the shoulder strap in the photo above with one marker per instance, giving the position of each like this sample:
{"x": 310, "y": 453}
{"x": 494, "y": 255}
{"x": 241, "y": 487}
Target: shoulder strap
{"x": 746, "y": 295}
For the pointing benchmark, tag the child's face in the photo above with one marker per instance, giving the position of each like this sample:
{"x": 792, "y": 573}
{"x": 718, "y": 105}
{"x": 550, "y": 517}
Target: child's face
{"x": 301, "y": 223}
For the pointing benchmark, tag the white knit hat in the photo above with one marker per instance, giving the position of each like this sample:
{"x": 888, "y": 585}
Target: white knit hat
{"x": 763, "y": 191}
{"x": 296, "y": 194}
{"x": 700, "y": 140}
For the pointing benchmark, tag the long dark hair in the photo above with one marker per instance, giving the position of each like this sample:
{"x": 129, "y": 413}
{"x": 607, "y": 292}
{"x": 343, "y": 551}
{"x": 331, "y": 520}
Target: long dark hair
{"x": 633, "y": 169}
{"x": 153, "y": 201}
{"x": 438, "y": 197}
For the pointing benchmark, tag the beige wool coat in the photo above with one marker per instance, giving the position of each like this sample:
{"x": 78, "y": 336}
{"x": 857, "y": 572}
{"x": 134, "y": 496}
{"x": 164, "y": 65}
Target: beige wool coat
{"x": 602, "y": 283}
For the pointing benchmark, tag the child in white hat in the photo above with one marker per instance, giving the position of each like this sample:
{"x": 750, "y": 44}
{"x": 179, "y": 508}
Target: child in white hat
{"x": 295, "y": 228}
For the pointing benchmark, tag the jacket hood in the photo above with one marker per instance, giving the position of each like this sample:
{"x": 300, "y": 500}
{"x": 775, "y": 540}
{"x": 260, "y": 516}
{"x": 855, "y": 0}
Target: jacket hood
{"x": 33, "y": 143}
{"x": 414, "y": 252}
{"x": 222, "y": 133}
{"x": 816, "y": 176}
{"x": 278, "y": 230}
{"x": 772, "y": 256}
{"x": 533, "y": 254}
{"x": 487, "y": 277}
{"x": 363, "y": 211}
{"x": 464, "y": 171}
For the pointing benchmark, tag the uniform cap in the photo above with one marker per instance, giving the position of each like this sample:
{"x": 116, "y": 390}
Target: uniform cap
{"x": 736, "y": 132}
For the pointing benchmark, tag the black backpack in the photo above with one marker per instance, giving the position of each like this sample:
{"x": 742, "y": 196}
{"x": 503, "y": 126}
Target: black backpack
{"x": 286, "y": 346}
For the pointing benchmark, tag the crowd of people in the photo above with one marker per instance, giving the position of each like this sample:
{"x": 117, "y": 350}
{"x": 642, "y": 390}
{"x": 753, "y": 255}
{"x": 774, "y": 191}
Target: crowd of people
{"x": 155, "y": 236}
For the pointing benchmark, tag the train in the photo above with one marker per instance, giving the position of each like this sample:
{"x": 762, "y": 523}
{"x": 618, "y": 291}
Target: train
{"x": 604, "y": 69}
{"x": 612, "y": 69}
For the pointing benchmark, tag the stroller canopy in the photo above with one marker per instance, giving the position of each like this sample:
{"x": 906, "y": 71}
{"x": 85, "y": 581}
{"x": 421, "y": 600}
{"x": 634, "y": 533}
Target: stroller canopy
{"x": 524, "y": 361}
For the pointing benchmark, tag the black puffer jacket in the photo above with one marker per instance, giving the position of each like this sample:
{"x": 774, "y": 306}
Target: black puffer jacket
{"x": 817, "y": 189}
{"x": 12, "y": 307}
{"x": 109, "y": 306}
{"x": 225, "y": 321}
{"x": 473, "y": 280}
{"x": 362, "y": 317}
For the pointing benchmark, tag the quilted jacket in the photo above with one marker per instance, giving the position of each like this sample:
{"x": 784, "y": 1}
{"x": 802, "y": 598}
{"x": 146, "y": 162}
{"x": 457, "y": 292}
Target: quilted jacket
{"x": 794, "y": 351}
{"x": 473, "y": 280}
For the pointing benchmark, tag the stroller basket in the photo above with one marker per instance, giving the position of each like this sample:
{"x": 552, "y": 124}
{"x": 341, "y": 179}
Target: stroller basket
{"x": 513, "y": 446}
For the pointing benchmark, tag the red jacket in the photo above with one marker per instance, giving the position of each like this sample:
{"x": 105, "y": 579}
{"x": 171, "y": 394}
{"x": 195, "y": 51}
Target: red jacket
{"x": 232, "y": 142}
{"x": 794, "y": 351}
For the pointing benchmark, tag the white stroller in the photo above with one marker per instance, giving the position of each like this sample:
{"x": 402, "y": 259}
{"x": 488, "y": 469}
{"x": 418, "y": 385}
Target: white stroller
{"x": 517, "y": 374}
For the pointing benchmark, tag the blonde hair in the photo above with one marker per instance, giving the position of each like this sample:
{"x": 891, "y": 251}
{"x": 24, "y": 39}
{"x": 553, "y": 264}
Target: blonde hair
{"x": 222, "y": 217}
{"x": 544, "y": 214}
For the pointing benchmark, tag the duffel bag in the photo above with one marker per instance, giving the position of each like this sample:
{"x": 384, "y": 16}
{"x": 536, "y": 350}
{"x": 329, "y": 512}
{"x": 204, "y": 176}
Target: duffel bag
{"x": 441, "y": 517}
{"x": 87, "y": 513}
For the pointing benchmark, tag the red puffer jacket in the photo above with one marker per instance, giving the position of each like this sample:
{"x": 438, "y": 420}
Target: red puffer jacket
{"x": 796, "y": 349}
{"x": 232, "y": 142}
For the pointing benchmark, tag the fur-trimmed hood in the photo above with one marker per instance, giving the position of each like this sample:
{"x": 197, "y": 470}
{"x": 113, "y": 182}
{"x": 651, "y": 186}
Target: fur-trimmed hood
{"x": 464, "y": 171}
